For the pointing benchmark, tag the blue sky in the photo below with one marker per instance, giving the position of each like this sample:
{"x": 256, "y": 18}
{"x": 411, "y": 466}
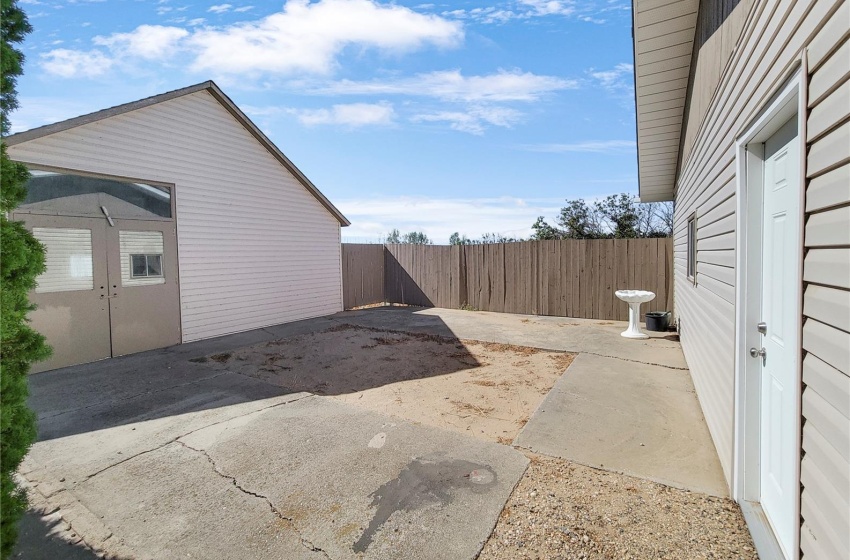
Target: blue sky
{"x": 449, "y": 116}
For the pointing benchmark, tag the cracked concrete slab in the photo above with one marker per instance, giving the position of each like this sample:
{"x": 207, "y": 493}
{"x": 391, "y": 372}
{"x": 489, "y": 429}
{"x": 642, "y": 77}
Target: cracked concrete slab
{"x": 89, "y": 441}
{"x": 217, "y": 468}
{"x": 118, "y": 436}
{"x": 638, "y": 419}
{"x": 170, "y": 503}
{"x": 334, "y": 469}
{"x": 306, "y": 477}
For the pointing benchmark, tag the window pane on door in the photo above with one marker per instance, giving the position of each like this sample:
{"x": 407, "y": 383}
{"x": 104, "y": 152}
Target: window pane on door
{"x": 154, "y": 265}
{"x": 140, "y": 265}
{"x": 68, "y": 259}
{"x": 141, "y": 257}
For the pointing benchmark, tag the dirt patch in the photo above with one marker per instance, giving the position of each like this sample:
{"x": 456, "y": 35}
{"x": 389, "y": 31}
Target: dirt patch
{"x": 567, "y": 511}
{"x": 483, "y": 389}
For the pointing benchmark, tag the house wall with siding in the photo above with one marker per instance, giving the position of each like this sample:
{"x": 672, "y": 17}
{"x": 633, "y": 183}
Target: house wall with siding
{"x": 771, "y": 38}
{"x": 255, "y": 247}
{"x": 825, "y": 470}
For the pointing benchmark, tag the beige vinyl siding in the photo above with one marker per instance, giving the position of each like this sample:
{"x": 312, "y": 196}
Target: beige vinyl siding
{"x": 825, "y": 470}
{"x": 255, "y": 247}
{"x": 771, "y": 38}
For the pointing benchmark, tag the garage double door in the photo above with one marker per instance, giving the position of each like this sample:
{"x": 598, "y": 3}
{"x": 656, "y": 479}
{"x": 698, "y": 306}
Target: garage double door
{"x": 111, "y": 286}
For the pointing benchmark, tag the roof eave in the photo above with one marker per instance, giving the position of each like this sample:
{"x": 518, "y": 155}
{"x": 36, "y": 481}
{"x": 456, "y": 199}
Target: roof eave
{"x": 662, "y": 42}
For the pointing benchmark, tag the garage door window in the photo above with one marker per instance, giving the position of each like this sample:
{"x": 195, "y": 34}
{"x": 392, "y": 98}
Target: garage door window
{"x": 141, "y": 258}
{"x": 146, "y": 266}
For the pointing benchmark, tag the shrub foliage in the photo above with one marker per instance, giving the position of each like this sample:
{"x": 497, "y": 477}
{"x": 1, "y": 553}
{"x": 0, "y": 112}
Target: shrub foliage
{"x": 21, "y": 260}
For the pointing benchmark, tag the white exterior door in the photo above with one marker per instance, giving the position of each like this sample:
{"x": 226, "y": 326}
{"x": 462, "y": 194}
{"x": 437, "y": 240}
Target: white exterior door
{"x": 780, "y": 265}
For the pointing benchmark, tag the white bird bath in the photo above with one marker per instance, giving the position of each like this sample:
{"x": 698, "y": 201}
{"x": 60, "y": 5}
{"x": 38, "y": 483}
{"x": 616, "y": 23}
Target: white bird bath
{"x": 634, "y": 298}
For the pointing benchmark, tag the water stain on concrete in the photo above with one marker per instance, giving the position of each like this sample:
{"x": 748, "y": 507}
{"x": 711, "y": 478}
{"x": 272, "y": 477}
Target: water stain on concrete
{"x": 421, "y": 483}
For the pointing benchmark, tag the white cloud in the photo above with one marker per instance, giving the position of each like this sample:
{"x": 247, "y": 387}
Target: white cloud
{"x": 146, "y": 41}
{"x": 219, "y": 8}
{"x": 243, "y": 9}
{"x": 440, "y": 217}
{"x": 616, "y": 79}
{"x": 451, "y": 85}
{"x": 521, "y": 9}
{"x": 528, "y": 9}
{"x": 196, "y": 21}
{"x": 475, "y": 119}
{"x": 307, "y": 37}
{"x": 549, "y": 7}
{"x": 351, "y": 115}
{"x": 303, "y": 38}
{"x": 601, "y": 146}
{"x": 76, "y": 64}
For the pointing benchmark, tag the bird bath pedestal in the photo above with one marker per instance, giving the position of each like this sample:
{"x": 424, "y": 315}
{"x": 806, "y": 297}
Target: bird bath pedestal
{"x": 634, "y": 298}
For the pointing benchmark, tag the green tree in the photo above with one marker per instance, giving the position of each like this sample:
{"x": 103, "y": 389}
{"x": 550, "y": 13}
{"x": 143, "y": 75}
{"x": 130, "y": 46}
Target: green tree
{"x": 619, "y": 216}
{"x": 21, "y": 261}
{"x": 496, "y": 238}
{"x": 543, "y": 230}
{"x": 416, "y": 238}
{"x": 578, "y": 220}
{"x": 394, "y": 236}
{"x": 458, "y": 239}
{"x": 621, "y": 213}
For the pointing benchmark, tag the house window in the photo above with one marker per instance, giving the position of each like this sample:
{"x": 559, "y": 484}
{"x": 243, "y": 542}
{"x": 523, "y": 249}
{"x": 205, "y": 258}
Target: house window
{"x": 692, "y": 247}
{"x": 146, "y": 266}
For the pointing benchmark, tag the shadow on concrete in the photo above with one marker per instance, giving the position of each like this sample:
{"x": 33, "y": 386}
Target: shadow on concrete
{"x": 49, "y": 538}
{"x": 181, "y": 379}
{"x": 347, "y": 358}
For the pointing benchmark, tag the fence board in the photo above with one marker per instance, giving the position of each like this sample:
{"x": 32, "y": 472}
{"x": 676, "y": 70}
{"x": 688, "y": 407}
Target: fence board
{"x": 362, "y": 274}
{"x": 567, "y": 278}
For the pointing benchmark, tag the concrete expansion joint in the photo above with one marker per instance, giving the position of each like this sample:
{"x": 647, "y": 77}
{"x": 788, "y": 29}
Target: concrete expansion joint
{"x": 289, "y": 521}
{"x": 633, "y": 361}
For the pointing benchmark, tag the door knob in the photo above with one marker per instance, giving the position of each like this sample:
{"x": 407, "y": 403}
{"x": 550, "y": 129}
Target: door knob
{"x": 755, "y": 353}
{"x": 762, "y": 327}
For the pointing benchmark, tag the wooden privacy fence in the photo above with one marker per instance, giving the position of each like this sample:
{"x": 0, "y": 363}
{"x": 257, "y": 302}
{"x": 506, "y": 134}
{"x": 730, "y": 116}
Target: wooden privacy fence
{"x": 568, "y": 278}
{"x": 362, "y": 274}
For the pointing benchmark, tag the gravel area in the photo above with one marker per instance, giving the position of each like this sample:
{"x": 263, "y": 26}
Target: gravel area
{"x": 562, "y": 510}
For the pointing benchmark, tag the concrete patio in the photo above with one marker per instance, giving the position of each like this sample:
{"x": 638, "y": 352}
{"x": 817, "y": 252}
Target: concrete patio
{"x": 155, "y": 456}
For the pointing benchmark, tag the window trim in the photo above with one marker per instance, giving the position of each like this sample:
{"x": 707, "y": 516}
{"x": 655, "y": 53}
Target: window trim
{"x": 691, "y": 260}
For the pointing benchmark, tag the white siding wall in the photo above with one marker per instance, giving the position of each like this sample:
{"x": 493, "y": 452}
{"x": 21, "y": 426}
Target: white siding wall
{"x": 255, "y": 247}
{"x": 825, "y": 471}
{"x": 773, "y": 35}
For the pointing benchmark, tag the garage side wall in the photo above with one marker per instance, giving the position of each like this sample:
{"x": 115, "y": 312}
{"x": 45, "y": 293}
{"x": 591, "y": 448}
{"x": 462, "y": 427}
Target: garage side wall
{"x": 769, "y": 45}
{"x": 255, "y": 247}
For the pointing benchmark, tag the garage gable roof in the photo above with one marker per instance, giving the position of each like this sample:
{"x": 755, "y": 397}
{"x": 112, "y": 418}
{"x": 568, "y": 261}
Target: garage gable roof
{"x": 219, "y": 95}
{"x": 663, "y": 33}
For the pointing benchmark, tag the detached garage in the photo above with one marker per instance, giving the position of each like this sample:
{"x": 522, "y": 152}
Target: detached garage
{"x": 169, "y": 220}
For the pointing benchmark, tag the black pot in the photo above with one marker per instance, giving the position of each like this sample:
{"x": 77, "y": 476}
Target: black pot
{"x": 658, "y": 321}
